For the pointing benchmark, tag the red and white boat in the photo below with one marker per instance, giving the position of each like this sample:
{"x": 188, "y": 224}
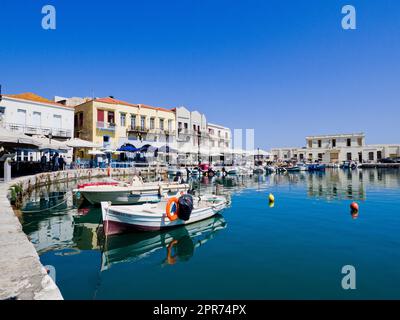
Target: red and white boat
{"x": 153, "y": 216}
{"x": 133, "y": 193}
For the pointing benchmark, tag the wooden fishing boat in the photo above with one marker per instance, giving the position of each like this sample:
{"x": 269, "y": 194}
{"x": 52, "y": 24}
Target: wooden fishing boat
{"x": 153, "y": 216}
{"x": 125, "y": 194}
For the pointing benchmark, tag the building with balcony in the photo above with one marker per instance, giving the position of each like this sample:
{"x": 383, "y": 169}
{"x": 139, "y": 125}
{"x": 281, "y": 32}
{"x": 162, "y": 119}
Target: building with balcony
{"x": 337, "y": 148}
{"x": 191, "y": 128}
{"x": 112, "y": 123}
{"x": 219, "y": 137}
{"x": 31, "y": 114}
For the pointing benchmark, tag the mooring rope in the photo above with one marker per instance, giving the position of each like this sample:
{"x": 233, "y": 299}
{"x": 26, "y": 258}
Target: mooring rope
{"x": 47, "y": 209}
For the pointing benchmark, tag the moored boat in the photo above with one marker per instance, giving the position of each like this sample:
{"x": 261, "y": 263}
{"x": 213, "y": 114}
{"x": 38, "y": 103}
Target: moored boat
{"x": 134, "y": 193}
{"x": 316, "y": 167}
{"x": 153, "y": 216}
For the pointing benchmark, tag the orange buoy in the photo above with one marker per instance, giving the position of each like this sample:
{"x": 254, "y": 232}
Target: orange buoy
{"x": 172, "y": 209}
{"x": 109, "y": 171}
{"x": 354, "y": 206}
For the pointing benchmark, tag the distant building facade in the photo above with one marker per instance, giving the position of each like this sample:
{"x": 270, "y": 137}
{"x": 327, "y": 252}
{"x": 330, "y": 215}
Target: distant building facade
{"x": 336, "y": 149}
{"x": 219, "y": 137}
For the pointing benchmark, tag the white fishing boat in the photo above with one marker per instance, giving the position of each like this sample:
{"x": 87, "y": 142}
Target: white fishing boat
{"x": 153, "y": 216}
{"x": 124, "y": 194}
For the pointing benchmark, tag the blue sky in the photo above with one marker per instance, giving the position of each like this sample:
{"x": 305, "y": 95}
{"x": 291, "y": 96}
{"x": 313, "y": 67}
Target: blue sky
{"x": 285, "y": 68}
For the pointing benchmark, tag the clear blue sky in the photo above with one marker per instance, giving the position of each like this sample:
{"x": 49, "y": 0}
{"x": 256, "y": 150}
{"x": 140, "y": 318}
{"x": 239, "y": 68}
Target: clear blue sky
{"x": 285, "y": 68}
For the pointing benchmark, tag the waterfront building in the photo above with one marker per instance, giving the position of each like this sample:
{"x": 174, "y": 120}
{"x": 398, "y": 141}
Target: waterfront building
{"x": 336, "y": 149}
{"x": 112, "y": 123}
{"x": 219, "y": 137}
{"x": 31, "y": 114}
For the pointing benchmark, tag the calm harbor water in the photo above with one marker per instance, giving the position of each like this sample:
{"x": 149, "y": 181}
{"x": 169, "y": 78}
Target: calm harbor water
{"x": 293, "y": 250}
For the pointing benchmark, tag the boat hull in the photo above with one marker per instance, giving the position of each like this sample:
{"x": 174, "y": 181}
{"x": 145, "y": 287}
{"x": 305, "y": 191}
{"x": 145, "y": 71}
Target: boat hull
{"x": 116, "y": 221}
{"x": 120, "y": 197}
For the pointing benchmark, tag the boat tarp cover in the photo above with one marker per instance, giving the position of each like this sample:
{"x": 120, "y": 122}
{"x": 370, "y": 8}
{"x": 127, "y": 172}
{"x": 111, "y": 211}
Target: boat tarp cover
{"x": 185, "y": 207}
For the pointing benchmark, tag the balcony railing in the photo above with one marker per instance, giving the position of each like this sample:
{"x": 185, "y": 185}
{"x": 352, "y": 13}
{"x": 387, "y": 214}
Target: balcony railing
{"x": 39, "y": 130}
{"x": 137, "y": 129}
{"x": 105, "y": 125}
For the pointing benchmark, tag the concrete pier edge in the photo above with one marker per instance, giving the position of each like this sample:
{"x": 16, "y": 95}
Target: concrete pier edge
{"x": 22, "y": 275}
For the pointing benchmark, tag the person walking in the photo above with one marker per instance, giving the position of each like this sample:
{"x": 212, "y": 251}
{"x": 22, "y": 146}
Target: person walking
{"x": 61, "y": 163}
{"x": 43, "y": 161}
{"x": 56, "y": 163}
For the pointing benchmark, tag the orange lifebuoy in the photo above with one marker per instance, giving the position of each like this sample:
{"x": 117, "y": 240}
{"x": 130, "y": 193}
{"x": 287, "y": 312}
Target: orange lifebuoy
{"x": 170, "y": 258}
{"x": 172, "y": 209}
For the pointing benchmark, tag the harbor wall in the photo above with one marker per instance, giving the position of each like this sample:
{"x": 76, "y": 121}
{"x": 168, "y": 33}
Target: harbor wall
{"x": 22, "y": 275}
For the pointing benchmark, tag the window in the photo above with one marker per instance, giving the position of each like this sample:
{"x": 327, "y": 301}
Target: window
{"x": 142, "y": 122}
{"x": 320, "y": 156}
{"x": 21, "y": 116}
{"x": 226, "y": 135}
{"x": 349, "y": 143}
{"x": 110, "y": 117}
{"x": 310, "y": 143}
{"x": 219, "y": 133}
{"x": 122, "y": 118}
{"x": 310, "y": 156}
{"x": 333, "y": 143}
{"x": 359, "y": 140}
{"x": 319, "y": 143}
{"x": 152, "y": 123}
{"x": 348, "y": 155}
{"x": 179, "y": 125}
{"x": 133, "y": 121}
{"x": 36, "y": 119}
{"x": 170, "y": 125}
{"x": 161, "y": 124}
{"x": 379, "y": 155}
{"x": 194, "y": 127}
{"x": 80, "y": 119}
{"x": 100, "y": 115}
{"x": 106, "y": 141}
{"x": 285, "y": 156}
{"x": 185, "y": 125}
{"x": 370, "y": 156}
{"x": 56, "y": 121}
{"x": 301, "y": 156}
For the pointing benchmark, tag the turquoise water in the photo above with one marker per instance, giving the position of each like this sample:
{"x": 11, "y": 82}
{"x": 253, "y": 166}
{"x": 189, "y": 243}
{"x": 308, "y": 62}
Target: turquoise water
{"x": 293, "y": 250}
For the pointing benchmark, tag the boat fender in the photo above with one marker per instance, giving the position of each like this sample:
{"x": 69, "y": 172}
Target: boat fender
{"x": 172, "y": 209}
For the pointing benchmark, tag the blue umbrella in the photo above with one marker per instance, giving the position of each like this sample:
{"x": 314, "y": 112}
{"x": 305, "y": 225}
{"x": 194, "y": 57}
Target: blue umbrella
{"x": 127, "y": 147}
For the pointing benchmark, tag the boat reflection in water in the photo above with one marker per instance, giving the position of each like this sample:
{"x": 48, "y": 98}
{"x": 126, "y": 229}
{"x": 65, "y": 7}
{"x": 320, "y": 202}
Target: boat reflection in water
{"x": 179, "y": 243}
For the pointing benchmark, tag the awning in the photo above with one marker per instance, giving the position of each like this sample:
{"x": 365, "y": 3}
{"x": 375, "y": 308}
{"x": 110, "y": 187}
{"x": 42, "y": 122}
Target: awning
{"x": 16, "y": 139}
{"x": 79, "y": 143}
{"x": 167, "y": 149}
{"x": 96, "y": 152}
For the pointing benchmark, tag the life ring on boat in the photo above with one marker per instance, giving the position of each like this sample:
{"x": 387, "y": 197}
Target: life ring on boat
{"x": 171, "y": 259}
{"x": 172, "y": 209}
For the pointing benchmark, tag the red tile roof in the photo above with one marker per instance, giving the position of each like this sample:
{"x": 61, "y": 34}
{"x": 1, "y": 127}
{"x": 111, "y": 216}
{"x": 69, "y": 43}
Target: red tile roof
{"x": 115, "y": 101}
{"x": 29, "y": 96}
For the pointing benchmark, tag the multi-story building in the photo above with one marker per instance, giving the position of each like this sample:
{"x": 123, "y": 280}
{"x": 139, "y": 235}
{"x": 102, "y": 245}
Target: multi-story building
{"x": 191, "y": 128}
{"x": 337, "y": 148}
{"x": 31, "y": 114}
{"x": 219, "y": 137}
{"x": 111, "y": 123}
